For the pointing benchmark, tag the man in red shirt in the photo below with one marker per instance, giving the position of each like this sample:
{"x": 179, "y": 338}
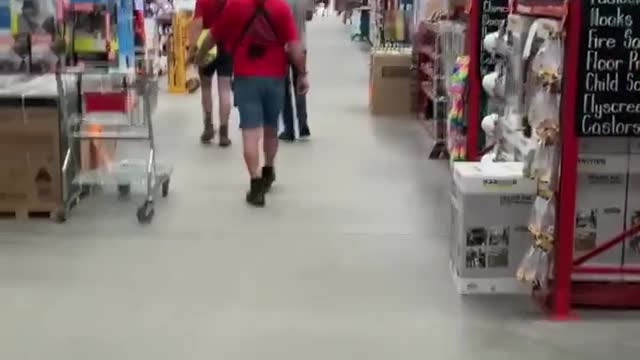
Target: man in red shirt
{"x": 261, "y": 35}
{"x": 205, "y": 14}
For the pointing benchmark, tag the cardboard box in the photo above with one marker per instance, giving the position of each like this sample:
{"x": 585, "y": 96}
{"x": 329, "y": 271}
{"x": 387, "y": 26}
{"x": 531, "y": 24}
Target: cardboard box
{"x": 390, "y": 83}
{"x": 634, "y": 146}
{"x": 30, "y": 167}
{"x": 632, "y": 245}
{"x": 603, "y": 145}
{"x": 489, "y": 227}
{"x": 600, "y": 206}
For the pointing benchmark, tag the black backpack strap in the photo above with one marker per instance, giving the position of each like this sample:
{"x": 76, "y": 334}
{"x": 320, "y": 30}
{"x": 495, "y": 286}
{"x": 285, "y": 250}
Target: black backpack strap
{"x": 260, "y": 10}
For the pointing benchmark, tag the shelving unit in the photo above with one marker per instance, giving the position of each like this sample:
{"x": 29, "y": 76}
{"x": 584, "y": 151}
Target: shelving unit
{"x": 437, "y": 45}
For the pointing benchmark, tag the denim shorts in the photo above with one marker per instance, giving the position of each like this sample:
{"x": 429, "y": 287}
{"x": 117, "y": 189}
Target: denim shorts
{"x": 259, "y": 100}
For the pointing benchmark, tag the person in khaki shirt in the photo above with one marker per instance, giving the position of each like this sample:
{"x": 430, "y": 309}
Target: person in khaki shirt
{"x": 302, "y": 12}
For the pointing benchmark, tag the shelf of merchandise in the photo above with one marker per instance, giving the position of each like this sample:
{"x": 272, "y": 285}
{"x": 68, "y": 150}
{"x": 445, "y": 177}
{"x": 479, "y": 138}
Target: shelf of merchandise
{"x": 431, "y": 95}
{"x": 564, "y": 292}
{"x": 437, "y": 46}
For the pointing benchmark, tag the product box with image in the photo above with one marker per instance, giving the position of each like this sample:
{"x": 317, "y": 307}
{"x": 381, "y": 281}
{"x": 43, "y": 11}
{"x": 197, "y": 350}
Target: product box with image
{"x": 390, "y": 90}
{"x": 600, "y": 207}
{"x": 489, "y": 226}
{"x": 35, "y": 25}
{"x": 632, "y": 244}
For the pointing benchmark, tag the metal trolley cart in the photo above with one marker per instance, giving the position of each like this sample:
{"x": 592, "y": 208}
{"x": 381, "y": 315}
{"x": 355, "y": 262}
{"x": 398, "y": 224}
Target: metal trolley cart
{"x": 134, "y": 123}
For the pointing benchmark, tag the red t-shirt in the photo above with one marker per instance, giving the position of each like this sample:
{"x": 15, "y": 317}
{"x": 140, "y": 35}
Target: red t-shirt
{"x": 208, "y": 10}
{"x": 229, "y": 27}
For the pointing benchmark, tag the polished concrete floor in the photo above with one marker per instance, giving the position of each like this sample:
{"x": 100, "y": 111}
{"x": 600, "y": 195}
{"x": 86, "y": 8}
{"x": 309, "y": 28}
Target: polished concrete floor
{"x": 348, "y": 261}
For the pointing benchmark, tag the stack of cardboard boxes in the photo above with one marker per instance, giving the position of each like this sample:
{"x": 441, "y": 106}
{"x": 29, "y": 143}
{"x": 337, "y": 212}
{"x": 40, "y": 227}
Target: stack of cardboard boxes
{"x": 391, "y": 90}
{"x": 30, "y": 165}
{"x": 632, "y": 245}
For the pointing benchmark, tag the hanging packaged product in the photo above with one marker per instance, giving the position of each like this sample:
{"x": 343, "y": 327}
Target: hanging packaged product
{"x": 494, "y": 83}
{"x": 543, "y": 161}
{"x": 542, "y": 219}
{"x": 548, "y": 61}
{"x": 456, "y": 139}
{"x": 489, "y": 124}
{"x": 491, "y": 42}
{"x": 543, "y": 109}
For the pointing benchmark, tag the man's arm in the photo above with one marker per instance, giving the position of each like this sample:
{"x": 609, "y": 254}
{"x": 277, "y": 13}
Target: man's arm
{"x": 207, "y": 44}
{"x": 212, "y": 36}
{"x": 195, "y": 27}
{"x": 295, "y": 50}
{"x": 293, "y": 46}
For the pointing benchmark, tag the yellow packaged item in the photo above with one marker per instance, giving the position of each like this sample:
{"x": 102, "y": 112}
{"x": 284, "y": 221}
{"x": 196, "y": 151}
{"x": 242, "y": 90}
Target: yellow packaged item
{"x": 211, "y": 55}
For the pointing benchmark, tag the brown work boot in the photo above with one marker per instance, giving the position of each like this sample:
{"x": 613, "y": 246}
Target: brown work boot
{"x": 209, "y": 132}
{"x": 224, "y": 140}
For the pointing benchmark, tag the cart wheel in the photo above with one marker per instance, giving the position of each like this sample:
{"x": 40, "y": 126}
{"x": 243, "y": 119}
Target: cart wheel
{"x": 124, "y": 190}
{"x": 60, "y": 216}
{"x": 146, "y": 212}
{"x": 85, "y": 190}
{"x": 165, "y": 188}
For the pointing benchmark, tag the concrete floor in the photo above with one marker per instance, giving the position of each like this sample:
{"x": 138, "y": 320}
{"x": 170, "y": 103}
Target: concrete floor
{"x": 348, "y": 261}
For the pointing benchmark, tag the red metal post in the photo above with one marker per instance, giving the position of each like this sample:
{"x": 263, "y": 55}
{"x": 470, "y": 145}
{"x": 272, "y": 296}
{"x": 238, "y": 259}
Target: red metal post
{"x": 561, "y": 306}
{"x": 475, "y": 83}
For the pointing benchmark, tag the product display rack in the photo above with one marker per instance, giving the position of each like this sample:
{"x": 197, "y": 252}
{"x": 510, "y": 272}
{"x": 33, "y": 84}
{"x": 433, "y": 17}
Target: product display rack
{"x": 438, "y": 44}
{"x": 482, "y": 18}
{"x": 566, "y": 292}
{"x": 585, "y": 161}
{"x": 391, "y": 22}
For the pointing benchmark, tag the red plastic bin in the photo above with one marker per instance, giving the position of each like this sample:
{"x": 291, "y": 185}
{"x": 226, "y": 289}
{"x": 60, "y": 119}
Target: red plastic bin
{"x": 122, "y": 101}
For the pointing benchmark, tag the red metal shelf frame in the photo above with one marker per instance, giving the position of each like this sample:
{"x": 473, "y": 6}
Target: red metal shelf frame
{"x": 565, "y": 292}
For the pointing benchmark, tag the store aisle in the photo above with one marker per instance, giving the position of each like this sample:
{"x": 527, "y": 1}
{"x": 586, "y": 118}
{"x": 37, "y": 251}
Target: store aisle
{"x": 348, "y": 261}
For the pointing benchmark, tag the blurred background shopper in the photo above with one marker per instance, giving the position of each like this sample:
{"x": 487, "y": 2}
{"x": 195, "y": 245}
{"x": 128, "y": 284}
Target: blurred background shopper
{"x": 205, "y": 14}
{"x": 302, "y": 12}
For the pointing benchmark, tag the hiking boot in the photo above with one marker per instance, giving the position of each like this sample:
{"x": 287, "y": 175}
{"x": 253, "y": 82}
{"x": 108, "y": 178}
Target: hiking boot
{"x": 285, "y": 136}
{"x": 224, "y": 140}
{"x": 268, "y": 177}
{"x": 255, "y": 195}
{"x": 209, "y": 132}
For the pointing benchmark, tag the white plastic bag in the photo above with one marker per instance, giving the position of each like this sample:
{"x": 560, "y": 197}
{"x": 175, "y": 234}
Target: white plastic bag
{"x": 548, "y": 60}
{"x": 543, "y": 217}
{"x": 543, "y": 109}
{"x": 524, "y": 269}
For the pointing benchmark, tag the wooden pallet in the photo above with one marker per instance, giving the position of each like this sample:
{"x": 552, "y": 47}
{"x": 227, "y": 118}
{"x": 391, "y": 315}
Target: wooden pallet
{"x": 26, "y": 214}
